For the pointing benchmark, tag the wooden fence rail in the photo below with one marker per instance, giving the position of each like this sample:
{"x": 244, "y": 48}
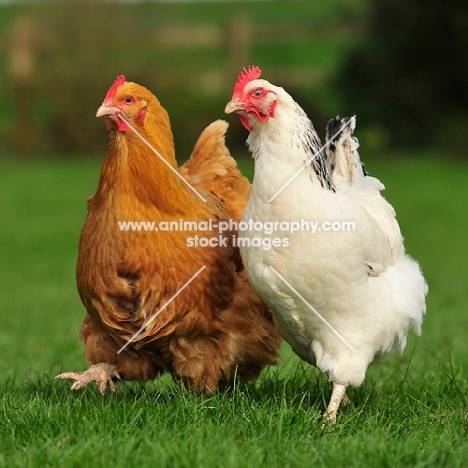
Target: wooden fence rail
{"x": 28, "y": 42}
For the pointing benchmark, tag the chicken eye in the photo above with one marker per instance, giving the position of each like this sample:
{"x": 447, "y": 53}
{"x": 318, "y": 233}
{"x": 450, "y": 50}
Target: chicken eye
{"x": 257, "y": 93}
{"x": 128, "y": 100}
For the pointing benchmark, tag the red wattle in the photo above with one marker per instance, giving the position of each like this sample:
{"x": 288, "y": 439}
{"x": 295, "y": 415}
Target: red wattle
{"x": 245, "y": 123}
{"x": 121, "y": 125}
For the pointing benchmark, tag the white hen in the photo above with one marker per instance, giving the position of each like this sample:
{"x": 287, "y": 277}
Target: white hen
{"x": 342, "y": 298}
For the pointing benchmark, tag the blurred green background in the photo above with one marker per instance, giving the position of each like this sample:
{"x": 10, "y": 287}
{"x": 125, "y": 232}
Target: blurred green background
{"x": 401, "y": 66}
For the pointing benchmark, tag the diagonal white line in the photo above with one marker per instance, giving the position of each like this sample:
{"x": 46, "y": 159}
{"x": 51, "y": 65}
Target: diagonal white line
{"x": 312, "y": 309}
{"x": 161, "y": 309}
{"x": 144, "y": 140}
{"x": 310, "y": 160}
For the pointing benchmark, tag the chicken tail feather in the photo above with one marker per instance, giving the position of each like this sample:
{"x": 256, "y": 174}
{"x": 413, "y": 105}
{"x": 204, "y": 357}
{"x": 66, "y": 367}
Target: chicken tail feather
{"x": 211, "y": 167}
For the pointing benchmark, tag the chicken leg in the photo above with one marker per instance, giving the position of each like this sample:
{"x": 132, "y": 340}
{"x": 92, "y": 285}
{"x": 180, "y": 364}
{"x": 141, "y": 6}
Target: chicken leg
{"x": 338, "y": 397}
{"x": 101, "y": 373}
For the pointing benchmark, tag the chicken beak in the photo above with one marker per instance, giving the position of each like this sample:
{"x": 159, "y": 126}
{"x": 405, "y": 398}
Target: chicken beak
{"x": 106, "y": 109}
{"x": 233, "y": 106}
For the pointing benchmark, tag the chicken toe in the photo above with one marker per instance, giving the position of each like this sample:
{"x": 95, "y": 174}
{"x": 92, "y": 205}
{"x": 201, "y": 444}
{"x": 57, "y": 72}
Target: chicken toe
{"x": 102, "y": 373}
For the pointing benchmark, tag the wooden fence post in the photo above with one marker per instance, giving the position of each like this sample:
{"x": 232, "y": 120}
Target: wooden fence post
{"x": 239, "y": 38}
{"x": 20, "y": 67}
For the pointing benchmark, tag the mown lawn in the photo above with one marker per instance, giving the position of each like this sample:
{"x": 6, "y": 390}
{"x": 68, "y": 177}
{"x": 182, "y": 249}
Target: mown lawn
{"x": 411, "y": 411}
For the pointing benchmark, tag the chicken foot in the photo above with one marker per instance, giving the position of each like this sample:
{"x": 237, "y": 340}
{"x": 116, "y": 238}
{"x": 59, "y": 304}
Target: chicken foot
{"x": 338, "y": 397}
{"x": 101, "y": 373}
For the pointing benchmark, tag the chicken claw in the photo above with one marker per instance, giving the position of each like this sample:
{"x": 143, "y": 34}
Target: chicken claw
{"x": 101, "y": 373}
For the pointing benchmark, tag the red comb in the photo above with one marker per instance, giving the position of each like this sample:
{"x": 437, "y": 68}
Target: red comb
{"x": 246, "y": 76}
{"x": 119, "y": 81}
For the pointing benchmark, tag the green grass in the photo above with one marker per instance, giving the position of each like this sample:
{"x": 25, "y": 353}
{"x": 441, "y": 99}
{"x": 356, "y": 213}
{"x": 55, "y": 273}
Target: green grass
{"x": 411, "y": 410}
